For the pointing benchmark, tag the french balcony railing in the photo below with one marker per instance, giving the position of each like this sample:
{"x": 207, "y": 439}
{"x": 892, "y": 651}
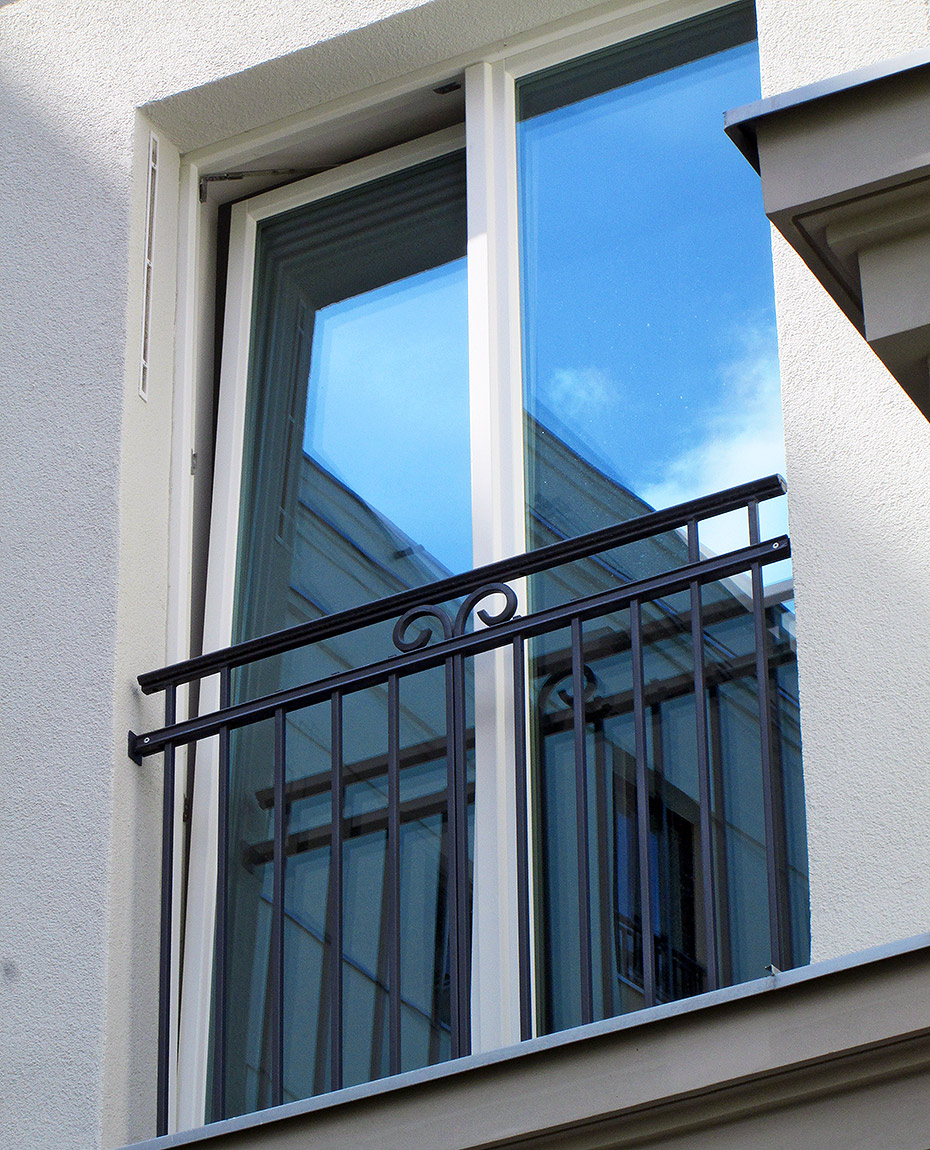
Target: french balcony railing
{"x": 432, "y": 629}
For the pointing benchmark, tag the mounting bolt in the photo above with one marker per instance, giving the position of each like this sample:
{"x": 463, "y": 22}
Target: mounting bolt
{"x": 146, "y": 739}
{"x": 775, "y": 546}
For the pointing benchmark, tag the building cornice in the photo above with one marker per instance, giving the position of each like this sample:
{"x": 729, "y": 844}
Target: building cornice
{"x": 845, "y": 168}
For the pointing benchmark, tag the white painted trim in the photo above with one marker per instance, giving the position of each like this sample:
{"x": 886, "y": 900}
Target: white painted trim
{"x": 194, "y": 1037}
{"x": 230, "y": 429}
{"x": 194, "y": 1024}
{"x": 577, "y": 38}
{"x": 498, "y": 526}
{"x": 180, "y": 557}
{"x": 363, "y": 171}
{"x": 192, "y": 1055}
{"x": 148, "y": 260}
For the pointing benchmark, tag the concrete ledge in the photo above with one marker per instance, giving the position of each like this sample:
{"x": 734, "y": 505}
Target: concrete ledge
{"x": 741, "y": 124}
{"x": 845, "y": 169}
{"x": 816, "y": 1056}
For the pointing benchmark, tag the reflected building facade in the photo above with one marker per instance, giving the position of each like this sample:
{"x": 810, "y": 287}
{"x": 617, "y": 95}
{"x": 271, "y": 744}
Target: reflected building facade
{"x": 345, "y": 544}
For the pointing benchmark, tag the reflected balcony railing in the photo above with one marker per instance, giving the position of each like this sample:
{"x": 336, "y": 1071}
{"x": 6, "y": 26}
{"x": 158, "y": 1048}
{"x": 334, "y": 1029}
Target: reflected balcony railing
{"x": 595, "y": 723}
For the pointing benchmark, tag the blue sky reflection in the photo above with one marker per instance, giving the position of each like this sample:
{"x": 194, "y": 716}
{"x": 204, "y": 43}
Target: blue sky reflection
{"x": 387, "y": 405}
{"x": 648, "y": 301}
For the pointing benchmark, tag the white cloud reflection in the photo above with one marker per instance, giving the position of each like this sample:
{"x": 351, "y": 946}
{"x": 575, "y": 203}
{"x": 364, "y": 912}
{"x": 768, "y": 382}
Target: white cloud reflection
{"x": 580, "y": 395}
{"x": 671, "y": 443}
{"x": 742, "y": 440}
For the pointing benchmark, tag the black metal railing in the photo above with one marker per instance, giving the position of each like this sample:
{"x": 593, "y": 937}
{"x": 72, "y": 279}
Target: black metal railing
{"x": 659, "y": 970}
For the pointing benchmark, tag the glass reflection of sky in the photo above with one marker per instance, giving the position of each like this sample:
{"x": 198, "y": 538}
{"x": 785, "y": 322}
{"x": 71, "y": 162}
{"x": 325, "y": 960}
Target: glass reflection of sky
{"x": 387, "y": 406}
{"x": 648, "y": 303}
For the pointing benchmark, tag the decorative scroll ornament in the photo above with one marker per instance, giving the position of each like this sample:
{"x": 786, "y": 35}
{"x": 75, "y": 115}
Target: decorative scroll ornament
{"x": 506, "y": 613}
{"x": 423, "y": 636}
{"x": 552, "y": 687}
{"x": 588, "y": 691}
{"x": 454, "y": 629}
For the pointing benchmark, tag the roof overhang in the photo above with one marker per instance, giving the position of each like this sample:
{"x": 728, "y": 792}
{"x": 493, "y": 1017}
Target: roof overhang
{"x": 845, "y": 167}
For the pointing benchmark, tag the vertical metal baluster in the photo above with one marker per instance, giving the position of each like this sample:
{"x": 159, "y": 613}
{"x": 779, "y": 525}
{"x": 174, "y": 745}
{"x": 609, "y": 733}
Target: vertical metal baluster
{"x": 752, "y": 510}
{"x": 222, "y": 893}
{"x": 705, "y": 791}
{"x": 765, "y": 742}
{"x": 165, "y": 1005}
{"x": 581, "y": 823}
{"x": 453, "y": 893}
{"x": 523, "y": 865}
{"x": 460, "y": 851}
{"x": 781, "y": 832}
{"x": 393, "y": 849}
{"x": 665, "y": 977}
{"x": 724, "y": 956}
{"x": 277, "y": 911}
{"x": 441, "y": 966}
{"x": 605, "y": 899}
{"x": 335, "y": 862}
{"x": 382, "y": 973}
{"x": 642, "y": 805}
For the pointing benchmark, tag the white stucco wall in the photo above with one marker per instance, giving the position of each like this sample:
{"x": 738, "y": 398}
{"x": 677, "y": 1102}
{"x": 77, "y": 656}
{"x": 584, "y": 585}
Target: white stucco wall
{"x": 85, "y": 492}
{"x": 858, "y": 457}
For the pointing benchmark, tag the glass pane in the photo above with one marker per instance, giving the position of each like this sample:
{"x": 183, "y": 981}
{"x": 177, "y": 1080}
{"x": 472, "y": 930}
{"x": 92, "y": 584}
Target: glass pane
{"x": 356, "y": 485}
{"x": 649, "y": 331}
{"x": 650, "y": 378}
{"x": 358, "y": 392}
{"x": 672, "y": 812}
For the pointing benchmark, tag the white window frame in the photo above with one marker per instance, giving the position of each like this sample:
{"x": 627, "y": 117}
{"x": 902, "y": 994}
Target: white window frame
{"x": 495, "y": 371}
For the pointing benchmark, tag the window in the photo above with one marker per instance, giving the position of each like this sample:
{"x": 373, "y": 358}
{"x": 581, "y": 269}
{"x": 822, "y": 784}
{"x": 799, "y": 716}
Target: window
{"x": 555, "y": 317}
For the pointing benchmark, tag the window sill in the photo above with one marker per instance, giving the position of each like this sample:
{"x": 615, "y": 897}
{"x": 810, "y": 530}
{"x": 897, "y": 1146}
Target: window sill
{"x": 762, "y": 1064}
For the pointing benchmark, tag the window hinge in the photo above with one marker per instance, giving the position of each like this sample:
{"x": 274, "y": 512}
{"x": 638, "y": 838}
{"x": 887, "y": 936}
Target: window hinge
{"x": 193, "y": 462}
{"x": 186, "y": 812}
{"x": 216, "y": 177}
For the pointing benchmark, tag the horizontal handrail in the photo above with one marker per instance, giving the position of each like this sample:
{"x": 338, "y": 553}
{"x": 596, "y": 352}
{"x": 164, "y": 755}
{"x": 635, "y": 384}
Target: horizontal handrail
{"x": 404, "y": 663}
{"x": 516, "y": 567}
{"x": 431, "y": 630}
